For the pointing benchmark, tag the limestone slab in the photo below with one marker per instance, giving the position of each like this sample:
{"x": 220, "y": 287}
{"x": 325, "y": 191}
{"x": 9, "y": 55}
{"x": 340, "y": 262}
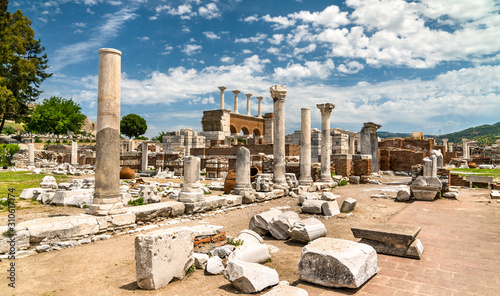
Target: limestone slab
{"x": 337, "y": 263}
{"x": 387, "y": 233}
{"x": 207, "y": 204}
{"x": 414, "y": 250}
{"x": 348, "y": 205}
{"x": 254, "y": 253}
{"x": 60, "y": 228}
{"x": 307, "y": 230}
{"x": 281, "y": 224}
{"x": 162, "y": 209}
{"x": 330, "y": 208}
{"x": 250, "y": 277}
{"x": 312, "y": 206}
{"x": 214, "y": 265}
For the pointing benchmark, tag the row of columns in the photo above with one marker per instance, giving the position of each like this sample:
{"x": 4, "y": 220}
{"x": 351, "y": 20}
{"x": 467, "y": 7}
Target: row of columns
{"x": 236, "y": 92}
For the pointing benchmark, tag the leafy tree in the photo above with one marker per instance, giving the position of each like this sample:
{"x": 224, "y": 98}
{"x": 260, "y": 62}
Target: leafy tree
{"x": 56, "y": 115}
{"x": 132, "y": 125}
{"x": 7, "y": 152}
{"x": 22, "y": 65}
{"x": 159, "y": 138}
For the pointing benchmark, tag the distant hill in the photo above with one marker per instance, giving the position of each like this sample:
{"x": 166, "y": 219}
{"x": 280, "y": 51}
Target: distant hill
{"x": 384, "y": 135}
{"x": 485, "y": 134}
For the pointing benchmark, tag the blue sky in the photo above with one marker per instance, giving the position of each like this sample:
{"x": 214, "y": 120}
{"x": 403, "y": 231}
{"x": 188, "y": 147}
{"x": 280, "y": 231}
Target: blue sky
{"x": 428, "y": 65}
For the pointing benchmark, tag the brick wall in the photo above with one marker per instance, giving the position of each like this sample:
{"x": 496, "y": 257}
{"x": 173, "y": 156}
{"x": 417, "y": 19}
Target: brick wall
{"x": 361, "y": 166}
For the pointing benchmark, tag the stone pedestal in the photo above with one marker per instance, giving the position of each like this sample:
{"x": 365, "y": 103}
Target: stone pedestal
{"x": 278, "y": 93}
{"x": 369, "y": 143}
{"x": 352, "y": 145}
{"x": 191, "y": 187}
{"x": 222, "y": 89}
{"x": 451, "y": 147}
{"x": 236, "y": 92}
{"x": 242, "y": 171}
{"x": 326, "y": 143}
{"x": 74, "y": 153}
{"x": 248, "y": 103}
{"x": 465, "y": 149}
{"x": 427, "y": 167}
{"x": 445, "y": 144}
{"x": 144, "y": 154}
{"x": 31, "y": 154}
{"x": 434, "y": 165}
{"x": 260, "y": 106}
{"x": 305, "y": 148}
{"x": 107, "y": 168}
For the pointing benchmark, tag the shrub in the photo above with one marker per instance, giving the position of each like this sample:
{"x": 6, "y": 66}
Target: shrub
{"x": 7, "y": 152}
{"x": 137, "y": 202}
{"x": 234, "y": 242}
{"x": 37, "y": 139}
{"x": 343, "y": 182}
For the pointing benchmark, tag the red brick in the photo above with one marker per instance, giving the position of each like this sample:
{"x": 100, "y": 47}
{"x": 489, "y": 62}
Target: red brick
{"x": 452, "y": 285}
{"x": 374, "y": 289}
{"x": 433, "y": 290}
{"x": 402, "y": 284}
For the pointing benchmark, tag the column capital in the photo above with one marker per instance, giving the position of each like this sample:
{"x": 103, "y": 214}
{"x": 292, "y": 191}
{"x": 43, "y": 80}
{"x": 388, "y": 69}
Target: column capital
{"x": 372, "y": 127}
{"x": 325, "y": 107}
{"x": 278, "y": 92}
{"x": 260, "y": 98}
{"x": 248, "y": 96}
{"x": 236, "y": 92}
{"x": 352, "y": 134}
{"x": 222, "y": 88}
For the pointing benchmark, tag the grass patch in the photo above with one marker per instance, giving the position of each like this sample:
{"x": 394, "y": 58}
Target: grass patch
{"x": 343, "y": 182}
{"x": 137, "y": 202}
{"x": 234, "y": 242}
{"x": 22, "y": 180}
{"x": 478, "y": 172}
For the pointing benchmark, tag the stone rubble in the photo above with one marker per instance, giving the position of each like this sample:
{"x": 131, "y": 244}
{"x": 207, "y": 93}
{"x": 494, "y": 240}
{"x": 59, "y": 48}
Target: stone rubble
{"x": 250, "y": 277}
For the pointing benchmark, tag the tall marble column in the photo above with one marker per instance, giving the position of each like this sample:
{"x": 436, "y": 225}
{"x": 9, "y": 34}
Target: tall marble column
{"x": 465, "y": 149}
{"x": 305, "y": 147}
{"x": 236, "y": 92}
{"x": 222, "y": 89}
{"x": 260, "y": 106}
{"x": 242, "y": 170}
{"x": 352, "y": 138}
{"x": 278, "y": 93}
{"x": 445, "y": 144}
{"x": 74, "y": 153}
{"x": 326, "y": 141}
{"x": 31, "y": 154}
{"x": 107, "y": 168}
{"x": 369, "y": 142}
{"x": 144, "y": 154}
{"x": 451, "y": 147}
{"x": 248, "y": 103}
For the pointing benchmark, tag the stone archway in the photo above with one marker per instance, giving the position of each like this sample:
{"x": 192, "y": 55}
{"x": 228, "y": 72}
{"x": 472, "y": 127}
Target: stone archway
{"x": 245, "y": 131}
{"x": 256, "y": 133}
{"x": 233, "y": 130}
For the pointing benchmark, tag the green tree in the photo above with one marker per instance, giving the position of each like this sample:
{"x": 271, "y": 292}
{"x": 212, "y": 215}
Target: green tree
{"x": 22, "y": 65}
{"x": 159, "y": 138}
{"x": 56, "y": 115}
{"x": 132, "y": 125}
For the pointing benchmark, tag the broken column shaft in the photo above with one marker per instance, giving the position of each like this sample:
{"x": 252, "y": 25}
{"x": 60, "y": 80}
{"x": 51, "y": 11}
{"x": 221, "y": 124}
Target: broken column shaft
{"x": 305, "y": 147}
{"x": 326, "y": 142}
{"x": 278, "y": 93}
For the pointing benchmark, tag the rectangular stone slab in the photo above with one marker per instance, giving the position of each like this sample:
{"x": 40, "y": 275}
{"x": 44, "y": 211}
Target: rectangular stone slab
{"x": 387, "y": 233}
{"x": 414, "y": 250}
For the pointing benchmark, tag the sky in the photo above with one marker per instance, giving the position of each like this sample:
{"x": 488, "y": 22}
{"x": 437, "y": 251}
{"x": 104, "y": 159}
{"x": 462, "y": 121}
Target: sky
{"x": 422, "y": 65}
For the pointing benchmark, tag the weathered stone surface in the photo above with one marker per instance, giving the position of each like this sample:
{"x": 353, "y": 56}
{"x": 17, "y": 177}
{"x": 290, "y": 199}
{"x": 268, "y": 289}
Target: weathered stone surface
{"x": 60, "y": 228}
{"x": 403, "y": 195}
{"x": 348, "y": 205}
{"x": 21, "y": 241}
{"x": 254, "y": 253}
{"x": 28, "y": 193}
{"x": 291, "y": 180}
{"x": 74, "y": 198}
{"x": 48, "y": 182}
{"x": 162, "y": 209}
{"x": 414, "y": 250}
{"x": 250, "y": 277}
{"x": 214, "y": 265}
{"x": 207, "y": 204}
{"x": 200, "y": 260}
{"x": 230, "y": 181}
{"x": 307, "y": 230}
{"x": 250, "y": 237}
{"x": 330, "y": 208}
{"x": 222, "y": 252}
{"x": 162, "y": 256}
{"x": 127, "y": 173}
{"x": 252, "y": 225}
{"x": 450, "y": 194}
{"x": 307, "y": 195}
{"x": 495, "y": 194}
{"x": 337, "y": 263}
{"x": 354, "y": 180}
{"x": 263, "y": 182}
{"x": 262, "y": 220}
{"x": 387, "y": 233}
{"x": 312, "y": 206}
{"x": 284, "y": 289}
{"x": 329, "y": 196}
{"x": 281, "y": 224}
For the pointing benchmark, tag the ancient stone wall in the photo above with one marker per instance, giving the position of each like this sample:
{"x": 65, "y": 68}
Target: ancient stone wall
{"x": 361, "y": 166}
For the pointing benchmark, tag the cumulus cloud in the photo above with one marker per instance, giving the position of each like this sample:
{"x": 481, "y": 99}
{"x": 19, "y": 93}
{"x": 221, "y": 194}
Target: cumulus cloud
{"x": 191, "y": 49}
{"x": 310, "y": 69}
{"x": 209, "y": 11}
{"x": 276, "y": 39}
{"x": 226, "y": 59}
{"x": 211, "y": 35}
{"x": 259, "y": 38}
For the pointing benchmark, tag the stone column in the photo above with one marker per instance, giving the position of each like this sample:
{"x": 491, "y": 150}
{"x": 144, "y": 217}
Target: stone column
{"x": 352, "y": 137}
{"x": 107, "y": 168}
{"x": 236, "y": 92}
{"x": 451, "y": 147}
{"x": 242, "y": 170}
{"x": 465, "y": 149}
{"x": 260, "y": 106}
{"x": 191, "y": 187}
{"x": 278, "y": 93}
{"x": 445, "y": 144}
{"x": 427, "y": 167}
{"x": 74, "y": 153}
{"x": 144, "y": 163}
{"x": 248, "y": 103}
{"x": 222, "y": 89}
{"x": 434, "y": 166}
{"x": 358, "y": 143}
{"x": 326, "y": 141}
{"x": 369, "y": 142}
{"x": 305, "y": 147}
{"x": 31, "y": 154}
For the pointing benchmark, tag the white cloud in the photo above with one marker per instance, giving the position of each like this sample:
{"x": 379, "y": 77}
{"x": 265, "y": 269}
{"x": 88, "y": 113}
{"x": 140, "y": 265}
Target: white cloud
{"x": 226, "y": 59}
{"x": 308, "y": 49}
{"x": 209, "y": 11}
{"x": 78, "y": 31}
{"x": 350, "y": 68}
{"x": 329, "y": 17}
{"x": 311, "y": 69}
{"x": 246, "y": 51}
{"x": 259, "y": 38}
{"x": 280, "y": 22}
{"x": 250, "y": 19}
{"x": 80, "y": 25}
{"x": 167, "y": 50}
{"x": 143, "y": 38}
{"x": 191, "y": 49}
{"x": 211, "y": 35}
{"x": 276, "y": 39}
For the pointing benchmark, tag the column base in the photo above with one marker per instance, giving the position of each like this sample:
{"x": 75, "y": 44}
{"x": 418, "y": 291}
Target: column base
{"x": 326, "y": 178}
{"x": 306, "y": 182}
{"x": 192, "y": 196}
{"x": 103, "y": 209}
{"x": 280, "y": 181}
{"x": 241, "y": 190}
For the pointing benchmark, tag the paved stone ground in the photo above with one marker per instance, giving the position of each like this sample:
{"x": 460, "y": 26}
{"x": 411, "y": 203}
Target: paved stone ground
{"x": 461, "y": 252}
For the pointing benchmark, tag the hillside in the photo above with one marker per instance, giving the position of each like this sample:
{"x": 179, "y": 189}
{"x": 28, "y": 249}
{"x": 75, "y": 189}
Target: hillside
{"x": 384, "y": 135}
{"x": 485, "y": 134}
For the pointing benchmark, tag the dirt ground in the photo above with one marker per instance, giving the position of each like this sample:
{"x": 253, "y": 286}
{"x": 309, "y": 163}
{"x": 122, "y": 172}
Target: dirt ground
{"x": 108, "y": 267}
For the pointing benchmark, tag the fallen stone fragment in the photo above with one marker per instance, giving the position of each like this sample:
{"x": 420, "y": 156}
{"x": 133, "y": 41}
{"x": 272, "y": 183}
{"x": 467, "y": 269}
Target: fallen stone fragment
{"x": 330, "y": 208}
{"x": 200, "y": 260}
{"x": 280, "y": 225}
{"x": 253, "y": 253}
{"x": 337, "y": 263}
{"x": 388, "y": 233}
{"x": 249, "y": 237}
{"x": 250, "y": 277}
{"x": 414, "y": 250}
{"x": 329, "y": 196}
{"x": 284, "y": 289}
{"x": 214, "y": 266}
{"x": 162, "y": 256}
{"x": 307, "y": 230}
{"x": 312, "y": 206}
{"x": 354, "y": 180}
{"x": 42, "y": 248}
{"x": 222, "y": 252}
{"x": 450, "y": 194}
{"x": 403, "y": 195}
{"x": 260, "y": 222}
{"x": 348, "y": 205}
{"x": 306, "y": 195}
{"x": 495, "y": 194}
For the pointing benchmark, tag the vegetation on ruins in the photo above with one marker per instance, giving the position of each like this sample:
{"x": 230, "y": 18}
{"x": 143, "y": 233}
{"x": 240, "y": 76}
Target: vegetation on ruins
{"x": 22, "y": 65}
{"x": 132, "y": 125}
{"x": 234, "y": 242}
{"x": 477, "y": 172}
{"x": 137, "y": 202}
{"x": 56, "y": 115}
{"x": 159, "y": 138}
{"x": 7, "y": 152}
